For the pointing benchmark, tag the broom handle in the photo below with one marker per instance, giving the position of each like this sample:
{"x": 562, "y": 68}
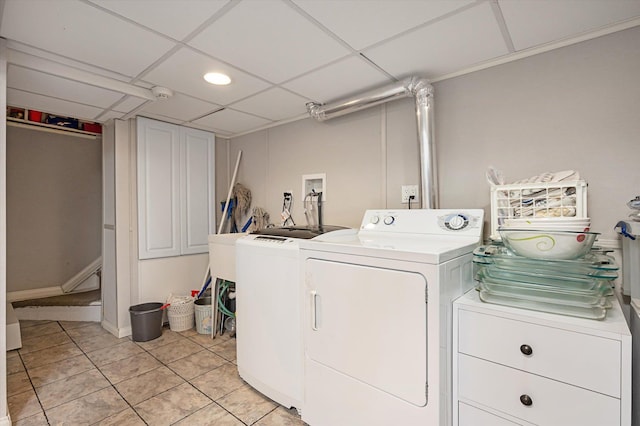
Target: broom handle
{"x": 233, "y": 182}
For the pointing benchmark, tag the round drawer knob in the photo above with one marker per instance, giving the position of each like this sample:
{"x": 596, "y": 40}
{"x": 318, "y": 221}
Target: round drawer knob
{"x": 526, "y": 400}
{"x": 526, "y": 349}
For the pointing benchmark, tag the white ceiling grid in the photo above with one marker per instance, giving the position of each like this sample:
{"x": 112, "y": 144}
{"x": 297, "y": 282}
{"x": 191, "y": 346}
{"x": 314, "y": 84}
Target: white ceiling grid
{"x": 280, "y": 54}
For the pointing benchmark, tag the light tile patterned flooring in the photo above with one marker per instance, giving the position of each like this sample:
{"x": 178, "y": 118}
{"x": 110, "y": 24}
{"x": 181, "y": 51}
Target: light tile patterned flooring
{"x": 76, "y": 373}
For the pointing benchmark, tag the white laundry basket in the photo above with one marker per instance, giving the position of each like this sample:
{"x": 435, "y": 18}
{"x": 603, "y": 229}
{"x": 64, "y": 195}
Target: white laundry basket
{"x": 181, "y": 313}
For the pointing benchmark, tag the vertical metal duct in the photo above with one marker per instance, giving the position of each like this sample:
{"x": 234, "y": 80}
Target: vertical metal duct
{"x": 422, "y": 91}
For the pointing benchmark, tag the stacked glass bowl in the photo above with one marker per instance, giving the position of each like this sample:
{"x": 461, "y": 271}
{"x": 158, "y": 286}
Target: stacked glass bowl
{"x": 551, "y": 270}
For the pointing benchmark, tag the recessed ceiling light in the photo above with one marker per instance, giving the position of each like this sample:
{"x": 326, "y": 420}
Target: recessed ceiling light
{"x": 217, "y": 78}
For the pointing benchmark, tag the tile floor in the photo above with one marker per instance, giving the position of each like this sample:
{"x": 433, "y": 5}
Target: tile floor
{"x": 76, "y": 373}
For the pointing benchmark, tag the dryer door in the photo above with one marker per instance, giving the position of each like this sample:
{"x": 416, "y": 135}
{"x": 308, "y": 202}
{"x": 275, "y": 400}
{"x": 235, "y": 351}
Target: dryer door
{"x": 370, "y": 324}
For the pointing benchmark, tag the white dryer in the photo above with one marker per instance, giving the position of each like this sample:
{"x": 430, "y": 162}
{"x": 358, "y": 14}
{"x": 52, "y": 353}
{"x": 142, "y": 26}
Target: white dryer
{"x": 377, "y": 317}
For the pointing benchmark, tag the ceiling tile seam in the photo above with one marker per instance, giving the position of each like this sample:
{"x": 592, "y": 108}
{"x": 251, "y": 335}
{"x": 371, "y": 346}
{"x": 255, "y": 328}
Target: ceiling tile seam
{"x": 135, "y": 111}
{"x": 208, "y": 101}
{"x": 178, "y": 43}
{"x": 128, "y": 20}
{"x": 156, "y": 63}
{"x": 184, "y": 42}
{"x": 213, "y": 18}
{"x": 230, "y": 65}
{"x": 326, "y": 65}
{"x": 113, "y": 106}
{"x": 245, "y": 112}
{"x": 502, "y": 24}
{"x": 126, "y": 79}
{"x": 541, "y": 48}
{"x": 377, "y": 67}
{"x": 430, "y": 22}
{"x": 55, "y": 98}
{"x": 317, "y": 23}
{"x": 45, "y": 66}
{"x": 271, "y": 125}
{"x": 207, "y": 114}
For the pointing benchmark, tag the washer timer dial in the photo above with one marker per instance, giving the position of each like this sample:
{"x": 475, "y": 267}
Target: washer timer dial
{"x": 456, "y": 222}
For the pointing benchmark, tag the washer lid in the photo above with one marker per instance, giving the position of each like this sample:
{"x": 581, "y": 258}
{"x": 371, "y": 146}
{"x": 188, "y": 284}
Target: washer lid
{"x": 300, "y": 232}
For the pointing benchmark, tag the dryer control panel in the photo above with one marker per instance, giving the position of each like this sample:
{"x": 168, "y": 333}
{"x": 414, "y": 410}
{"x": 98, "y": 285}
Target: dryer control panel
{"x": 466, "y": 222}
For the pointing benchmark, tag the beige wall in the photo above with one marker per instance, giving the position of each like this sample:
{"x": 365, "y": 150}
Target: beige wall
{"x": 54, "y": 207}
{"x": 571, "y": 108}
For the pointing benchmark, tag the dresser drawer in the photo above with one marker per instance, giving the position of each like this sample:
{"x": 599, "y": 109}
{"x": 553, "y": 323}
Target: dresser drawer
{"x": 552, "y": 403}
{"x": 583, "y": 360}
{"x": 472, "y": 416}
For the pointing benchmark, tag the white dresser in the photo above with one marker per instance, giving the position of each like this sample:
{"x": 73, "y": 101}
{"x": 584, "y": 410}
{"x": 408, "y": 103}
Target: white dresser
{"x": 518, "y": 367}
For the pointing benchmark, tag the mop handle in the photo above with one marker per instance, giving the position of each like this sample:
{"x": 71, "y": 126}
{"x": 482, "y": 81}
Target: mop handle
{"x": 233, "y": 182}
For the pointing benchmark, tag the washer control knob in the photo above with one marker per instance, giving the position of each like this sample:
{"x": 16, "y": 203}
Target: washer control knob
{"x": 374, "y": 219}
{"x": 388, "y": 220}
{"x": 457, "y": 222}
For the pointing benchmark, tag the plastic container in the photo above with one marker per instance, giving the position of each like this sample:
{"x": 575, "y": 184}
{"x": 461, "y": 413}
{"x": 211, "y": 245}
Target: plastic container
{"x": 537, "y": 200}
{"x": 203, "y": 315}
{"x": 146, "y": 321}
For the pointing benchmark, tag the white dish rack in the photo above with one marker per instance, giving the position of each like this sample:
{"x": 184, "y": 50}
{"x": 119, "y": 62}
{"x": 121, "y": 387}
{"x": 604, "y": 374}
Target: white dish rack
{"x": 535, "y": 200}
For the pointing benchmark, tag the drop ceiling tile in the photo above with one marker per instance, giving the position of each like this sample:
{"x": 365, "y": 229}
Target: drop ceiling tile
{"x": 23, "y": 99}
{"x": 375, "y": 20}
{"x": 184, "y": 70}
{"x": 534, "y": 22}
{"x": 50, "y": 56}
{"x": 339, "y": 80}
{"x": 129, "y": 104}
{"x": 108, "y": 115}
{"x": 84, "y": 33}
{"x": 162, "y": 18}
{"x": 445, "y": 46}
{"x": 180, "y": 107}
{"x": 274, "y": 104}
{"x": 57, "y": 87}
{"x": 231, "y": 121}
{"x": 269, "y": 39}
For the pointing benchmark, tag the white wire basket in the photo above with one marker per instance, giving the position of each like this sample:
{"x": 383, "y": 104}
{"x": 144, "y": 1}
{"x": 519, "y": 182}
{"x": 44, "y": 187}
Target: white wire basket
{"x": 534, "y": 200}
{"x": 181, "y": 322}
{"x": 181, "y": 305}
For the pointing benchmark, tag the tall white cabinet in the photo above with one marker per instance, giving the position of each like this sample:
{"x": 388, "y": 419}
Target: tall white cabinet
{"x": 158, "y": 208}
{"x": 175, "y": 172}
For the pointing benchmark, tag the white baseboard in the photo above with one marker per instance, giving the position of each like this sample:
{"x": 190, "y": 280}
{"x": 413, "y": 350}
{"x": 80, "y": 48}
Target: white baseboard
{"x": 60, "y": 313}
{"x": 118, "y": 332}
{"x": 36, "y": 293}
{"x": 14, "y": 336}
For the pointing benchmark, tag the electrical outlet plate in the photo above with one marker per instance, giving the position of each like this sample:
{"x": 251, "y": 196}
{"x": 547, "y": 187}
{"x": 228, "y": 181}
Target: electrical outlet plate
{"x": 409, "y": 190}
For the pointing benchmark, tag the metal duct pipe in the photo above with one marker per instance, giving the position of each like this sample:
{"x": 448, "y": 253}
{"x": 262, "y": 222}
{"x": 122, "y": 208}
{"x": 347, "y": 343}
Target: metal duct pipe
{"x": 423, "y": 93}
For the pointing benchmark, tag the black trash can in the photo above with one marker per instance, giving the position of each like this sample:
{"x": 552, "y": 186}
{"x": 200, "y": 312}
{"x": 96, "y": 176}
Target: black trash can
{"x": 146, "y": 321}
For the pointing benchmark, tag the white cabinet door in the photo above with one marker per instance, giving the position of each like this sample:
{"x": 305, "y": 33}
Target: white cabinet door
{"x": 196, "y": 189}
{"x": 158, "y": 189}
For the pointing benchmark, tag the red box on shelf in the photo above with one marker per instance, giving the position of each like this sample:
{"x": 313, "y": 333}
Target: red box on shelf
{"x": 92, "y": 127}
{"x": 35, "y": 116}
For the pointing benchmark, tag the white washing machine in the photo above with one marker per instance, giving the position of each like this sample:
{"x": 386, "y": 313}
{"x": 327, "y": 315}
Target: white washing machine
{"x": 630, "y": 232}
{"x": 377, "y": 317}
{"x": 268, "y": 311}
